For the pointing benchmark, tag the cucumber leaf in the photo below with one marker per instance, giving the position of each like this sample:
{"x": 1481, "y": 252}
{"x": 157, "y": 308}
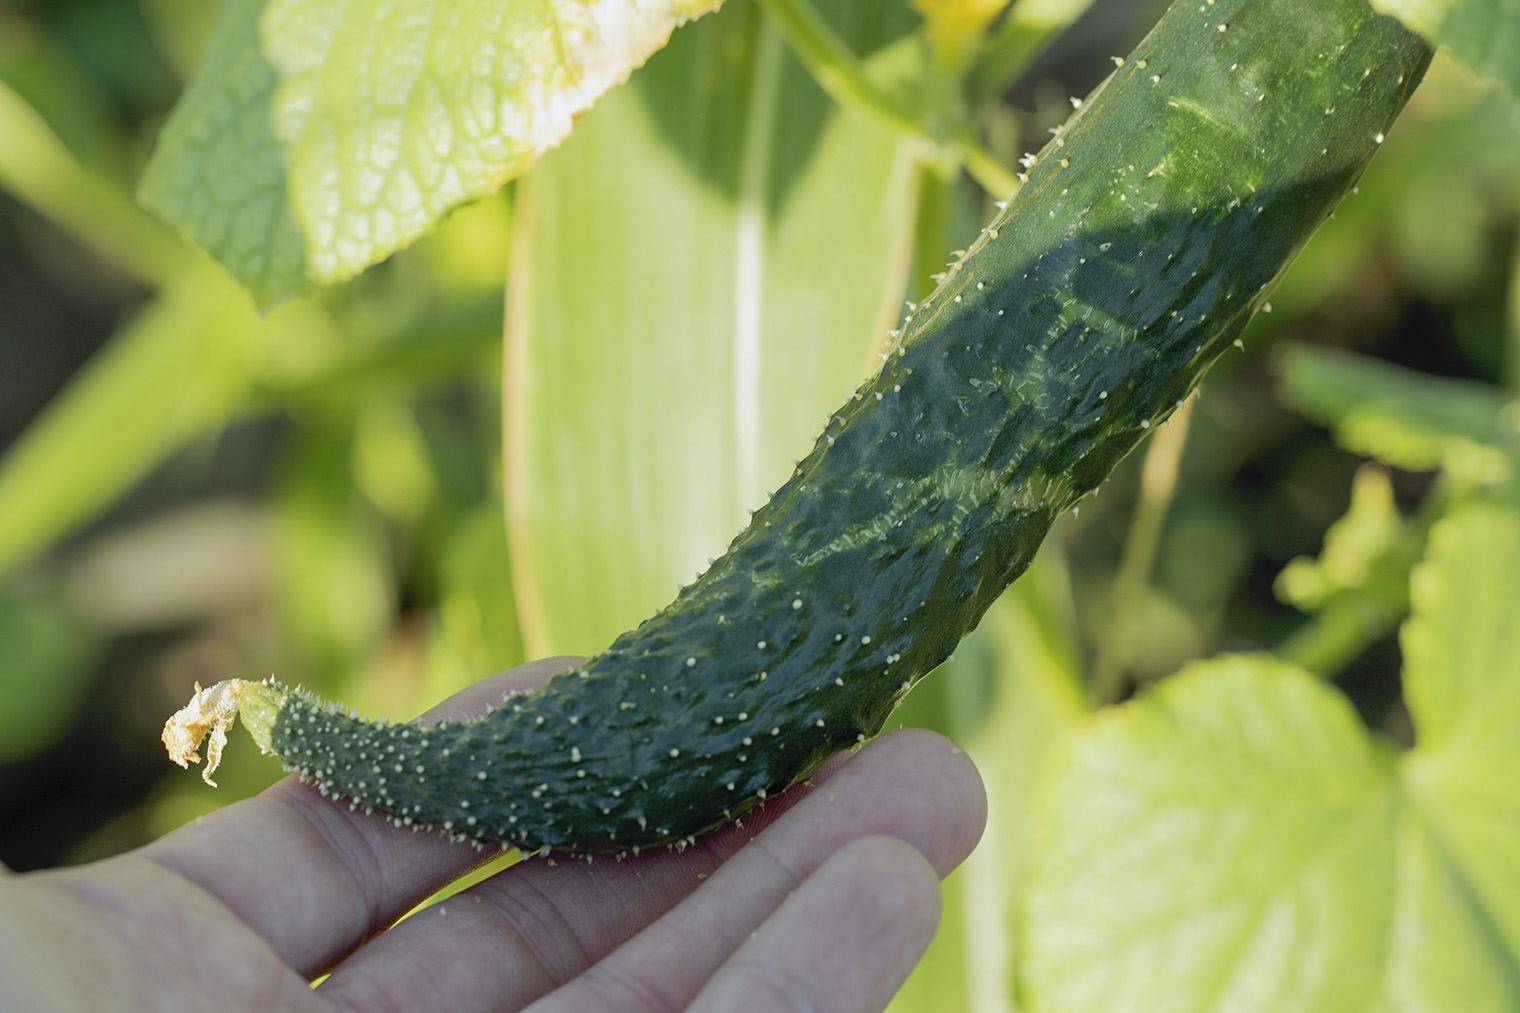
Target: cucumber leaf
{"x": 319, "y": 136}
{"x": 1462, "y": 658}
{"x": 1235, "y": 839}
{"x": 701, "y": 275}
{"x": 1403, "y": 418}
{"x": 1224, "y": 844}
{"x": 1485, "y": 33}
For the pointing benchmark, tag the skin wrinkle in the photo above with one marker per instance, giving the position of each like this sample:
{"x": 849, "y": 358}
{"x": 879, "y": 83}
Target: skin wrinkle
{"x": 590, "y": 952}
{"x": 618, "y": 977}
{"x": 360, "y": 862}
{"x": 787, "y": 878}
{"x": 888, "y": 886}
{"x": 767, "y": 987}
{"x": 314, "y": 824}
{"x": 618, "y": 989}
{"x": 175, "y": 920}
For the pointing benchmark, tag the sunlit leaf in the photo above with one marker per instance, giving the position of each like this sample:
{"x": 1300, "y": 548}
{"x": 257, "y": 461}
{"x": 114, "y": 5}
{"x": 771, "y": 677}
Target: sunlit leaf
{"x": 702, "y": 274}
{"x": 1225, "y": 843}
{"x": 1403, "y": 418}
{"x": 1462, "y": 657}
{"x": 319, "y": 136}
{"x": 1443, "y": 953}
{"x": 1485, "y": 33}
{"x": 1235, "y": 839}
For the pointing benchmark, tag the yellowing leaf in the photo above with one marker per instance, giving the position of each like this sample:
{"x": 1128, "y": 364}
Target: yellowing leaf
{"x": 319, "y": 136}
{"x": 1462, "y": 657}
{"x": 1224, "y": 843}
{"x": 1235, "y": 839}
{"x": 702, "y": 274}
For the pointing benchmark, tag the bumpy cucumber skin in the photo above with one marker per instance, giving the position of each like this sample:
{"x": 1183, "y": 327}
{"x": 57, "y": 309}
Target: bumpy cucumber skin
{"x": 1149, "y": 232}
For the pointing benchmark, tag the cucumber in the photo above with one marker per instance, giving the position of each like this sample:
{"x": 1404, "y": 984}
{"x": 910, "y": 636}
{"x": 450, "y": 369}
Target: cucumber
{"x": 1149, "y": 231}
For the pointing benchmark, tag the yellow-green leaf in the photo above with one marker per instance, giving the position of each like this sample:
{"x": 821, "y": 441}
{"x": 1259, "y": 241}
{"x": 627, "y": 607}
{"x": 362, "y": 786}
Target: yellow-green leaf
{"x": 1223, "y": 843}
{"x": 1236, "y": 840}
{"x": 702, "y": 273}
{"x": 318, "y": 136}
{"x": 1462, "y": 679}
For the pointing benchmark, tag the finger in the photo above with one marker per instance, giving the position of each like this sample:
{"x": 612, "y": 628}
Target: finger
{"x": 924, "y": 792}
{"x": 845, "y": 940}
{"x": 533, "y": 928}
{"x": 315, "y": 877}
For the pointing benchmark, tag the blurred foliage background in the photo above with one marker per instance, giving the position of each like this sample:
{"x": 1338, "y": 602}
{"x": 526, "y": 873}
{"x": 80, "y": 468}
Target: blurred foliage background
{"x": 192, "y": 492}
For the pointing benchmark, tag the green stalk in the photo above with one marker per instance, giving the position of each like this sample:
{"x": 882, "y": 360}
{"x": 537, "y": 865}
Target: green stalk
{"x": 1512, "y": 321}
{"x": 839, "y": 74}
{"x": 1029, "y": 28}
{"x": 39, "y": 171}
{"x": 1158, "y": 481}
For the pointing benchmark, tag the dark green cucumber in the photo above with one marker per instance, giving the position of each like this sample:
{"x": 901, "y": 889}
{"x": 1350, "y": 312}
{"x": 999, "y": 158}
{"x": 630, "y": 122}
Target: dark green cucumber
{"x": 1150, "y": 230}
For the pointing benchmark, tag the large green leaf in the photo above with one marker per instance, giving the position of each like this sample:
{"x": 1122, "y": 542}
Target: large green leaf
{"x": 1485, "y": 33}
{"x": 319, "y": 136}
{"x": 1236, "y": 839}
{"x": 1224, "y": 845}
{"x": 1462, "y": 670}
{"x": 703, "y": 272}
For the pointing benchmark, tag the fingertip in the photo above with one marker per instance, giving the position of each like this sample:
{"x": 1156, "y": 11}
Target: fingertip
{"x": 846, "y": 938}
{"x": 926, "y": 773}
{"x": 902, "y": 879}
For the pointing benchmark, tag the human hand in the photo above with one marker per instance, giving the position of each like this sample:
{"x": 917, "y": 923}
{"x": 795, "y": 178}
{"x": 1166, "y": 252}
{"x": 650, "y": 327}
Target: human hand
{"x": 822, "y": 900}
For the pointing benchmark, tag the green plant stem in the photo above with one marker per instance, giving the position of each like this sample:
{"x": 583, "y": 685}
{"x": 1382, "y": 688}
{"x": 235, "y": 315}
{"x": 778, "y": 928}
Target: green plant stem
{"x": 931, "y": 231}
{"x": 1029, "y": 28}
{"x": 1158, "y": 480}
{"x": 1338, "y": 633}
{"x": 1512, "y": 320}
{"x": 839, "y": 74}
{"x": 39, "y": 171}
